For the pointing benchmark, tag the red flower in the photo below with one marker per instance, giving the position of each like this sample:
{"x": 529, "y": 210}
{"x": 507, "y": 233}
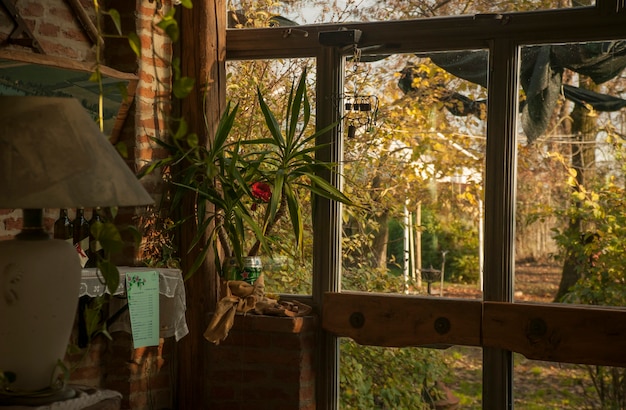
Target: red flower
{"x": 261, "y": 191}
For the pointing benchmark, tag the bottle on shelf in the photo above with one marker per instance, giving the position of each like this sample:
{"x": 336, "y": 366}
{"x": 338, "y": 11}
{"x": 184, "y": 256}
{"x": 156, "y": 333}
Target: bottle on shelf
{"x": 63, "y": 227}
{"x": 95, "y": 248}
{"x": 81, "y": 236}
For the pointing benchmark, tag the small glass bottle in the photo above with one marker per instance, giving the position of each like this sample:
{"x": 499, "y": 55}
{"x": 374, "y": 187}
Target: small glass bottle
{"x": 63, "y": 227}
{"x": 81, "y": 236}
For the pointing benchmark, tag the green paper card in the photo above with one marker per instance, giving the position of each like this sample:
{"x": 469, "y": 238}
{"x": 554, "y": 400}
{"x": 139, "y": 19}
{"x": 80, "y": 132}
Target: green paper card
{"x": 142, "y": 290}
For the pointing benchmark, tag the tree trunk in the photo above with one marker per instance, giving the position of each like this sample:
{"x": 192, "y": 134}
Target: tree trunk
{"x": 377, "y": 255}
{"x": 583, "y": 159}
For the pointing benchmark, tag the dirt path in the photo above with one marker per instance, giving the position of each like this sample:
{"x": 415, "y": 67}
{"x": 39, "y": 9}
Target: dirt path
{"x": 536, "y": 283}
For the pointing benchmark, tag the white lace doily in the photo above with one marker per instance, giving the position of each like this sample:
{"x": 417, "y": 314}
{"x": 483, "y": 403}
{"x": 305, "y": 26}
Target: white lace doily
{"x": 172, "y": 301}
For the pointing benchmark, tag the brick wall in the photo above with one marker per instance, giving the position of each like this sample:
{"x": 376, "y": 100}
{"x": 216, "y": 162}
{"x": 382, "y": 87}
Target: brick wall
{"x": 265, "y": 363}
{"x": 55, "y": 27}
{"x": 144, "y": 376}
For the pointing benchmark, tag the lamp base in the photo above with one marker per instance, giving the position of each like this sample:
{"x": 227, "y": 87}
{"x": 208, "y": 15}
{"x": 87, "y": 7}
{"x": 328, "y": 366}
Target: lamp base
{"x": 39, "y": 286}
{"x": 37, "y": 398}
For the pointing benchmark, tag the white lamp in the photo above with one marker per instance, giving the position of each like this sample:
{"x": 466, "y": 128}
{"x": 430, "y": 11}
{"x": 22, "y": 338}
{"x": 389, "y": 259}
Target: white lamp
{"x": 52, "y": 155}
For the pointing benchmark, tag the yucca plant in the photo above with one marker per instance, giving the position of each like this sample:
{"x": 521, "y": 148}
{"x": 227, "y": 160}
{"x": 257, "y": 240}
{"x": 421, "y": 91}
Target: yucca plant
{"x": 231, "y": 177}
{"x": 288, "y": 164}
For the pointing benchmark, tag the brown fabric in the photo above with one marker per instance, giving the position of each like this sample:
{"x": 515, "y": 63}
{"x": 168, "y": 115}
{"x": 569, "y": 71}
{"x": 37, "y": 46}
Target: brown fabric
{"x": 241, "y": 297}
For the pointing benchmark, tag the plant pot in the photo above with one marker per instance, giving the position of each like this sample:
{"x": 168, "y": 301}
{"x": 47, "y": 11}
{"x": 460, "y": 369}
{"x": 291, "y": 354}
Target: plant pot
{"x": 249, "y": 272}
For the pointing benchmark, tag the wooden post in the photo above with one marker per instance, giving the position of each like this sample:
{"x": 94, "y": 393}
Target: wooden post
{"x": 202, "y": 45}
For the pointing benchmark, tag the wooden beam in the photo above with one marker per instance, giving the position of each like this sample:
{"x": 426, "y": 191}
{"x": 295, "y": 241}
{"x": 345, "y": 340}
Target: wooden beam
{"x": 202, "y": 45}
{"x": 65, "y": 63}
{"x": 559, "y": 333}
{"x": 85, "y": 21}
{"x": 391, "y": 37}
{"x": 21, "y": 35}
{"x": 400, "y": 321}
{"x": 551, "y": 332}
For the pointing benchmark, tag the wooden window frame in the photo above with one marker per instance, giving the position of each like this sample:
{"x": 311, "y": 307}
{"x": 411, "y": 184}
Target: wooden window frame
{"x": 539, "y": 331}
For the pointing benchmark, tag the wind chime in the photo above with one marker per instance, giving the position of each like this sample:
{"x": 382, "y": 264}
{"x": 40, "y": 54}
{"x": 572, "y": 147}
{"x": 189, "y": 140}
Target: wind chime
{"x": 359, "y": 110}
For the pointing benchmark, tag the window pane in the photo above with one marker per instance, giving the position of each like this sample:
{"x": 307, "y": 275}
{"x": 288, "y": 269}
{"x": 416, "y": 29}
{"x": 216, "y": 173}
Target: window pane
{"x": 571, "y": 210}
{"x": 296, "y": 12}
{"x": 286, "y": 269}
{"x": 414, "y": 136}
{"x": 570, "y": 186}
{"x": 409, "y": 378}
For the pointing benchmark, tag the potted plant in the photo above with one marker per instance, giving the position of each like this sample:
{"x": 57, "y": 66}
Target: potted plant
{"x": 244, "y": 187}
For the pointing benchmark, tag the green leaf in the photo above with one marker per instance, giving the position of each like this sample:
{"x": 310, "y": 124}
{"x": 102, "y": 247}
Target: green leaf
{"x": 223, "y": 128}
{"x": 181, "y": 129}
{"x": 172, "y": 31}
{"x": 183, "y": 86}
{"x": 270, "y": 121}
{"x": 160, "y": 163}
{"x": 95, "y": 76}
{"x": 122, "y": 148}
{"x": 108, "y": 235}
{"x": 295, "y": 107}
{"x": 176, "y": 67}
{"x": 170, "y": 26}
{"x": 111, "y": 275}
{"x": 135, "y": 43}
{"x": 123, "y": 90}
{"x": 135, "y": 233}
{"x": 93, "y": 316}
{"x": 186, "y": 4}
{"x": 115, "y": 16}
{"x": 192, "y": 140}
{"x": 295, "y": 214}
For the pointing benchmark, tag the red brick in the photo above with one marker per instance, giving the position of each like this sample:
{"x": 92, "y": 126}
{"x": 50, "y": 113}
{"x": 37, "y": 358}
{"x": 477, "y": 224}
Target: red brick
{"x": 32, "y": 9}
{"x": 287, "y": 341}
{"x": 246, "y": 338}
{"x": 255, "y": 392}
{"x": 59, "y": 49}
{"x": 230, "y": 406}
{"x": 11, "y": 224}
{"x": 290, "y": 374}
{"x": 273, "y": 356}
{"x": 226, "y": 355}
{"x": 75, "y": 35}
{"x": 64, "y": 14}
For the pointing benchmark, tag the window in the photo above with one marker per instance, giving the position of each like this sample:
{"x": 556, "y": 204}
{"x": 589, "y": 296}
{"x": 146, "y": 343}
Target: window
{"x": 285, "y": 271}
{"x": 245, "y": 14}
{"x": 506, "y": 39}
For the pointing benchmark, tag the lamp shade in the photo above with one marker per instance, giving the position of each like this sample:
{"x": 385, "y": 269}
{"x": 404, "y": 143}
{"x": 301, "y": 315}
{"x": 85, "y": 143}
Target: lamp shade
{"x": 53, "y": 155}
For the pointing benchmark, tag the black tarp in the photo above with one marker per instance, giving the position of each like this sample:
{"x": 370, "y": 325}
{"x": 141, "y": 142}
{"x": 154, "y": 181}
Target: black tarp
{"x": 541, "y": 78}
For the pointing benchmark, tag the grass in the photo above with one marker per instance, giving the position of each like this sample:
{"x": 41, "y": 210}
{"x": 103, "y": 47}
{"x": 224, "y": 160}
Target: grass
{"x": 537, "y": 385}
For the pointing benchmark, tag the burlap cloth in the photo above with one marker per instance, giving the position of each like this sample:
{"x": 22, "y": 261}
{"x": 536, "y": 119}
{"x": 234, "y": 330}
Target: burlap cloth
{"x": 241, "y": 298}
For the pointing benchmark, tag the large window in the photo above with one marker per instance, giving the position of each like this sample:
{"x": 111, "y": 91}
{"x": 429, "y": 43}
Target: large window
{"x": 460, "y": 134}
